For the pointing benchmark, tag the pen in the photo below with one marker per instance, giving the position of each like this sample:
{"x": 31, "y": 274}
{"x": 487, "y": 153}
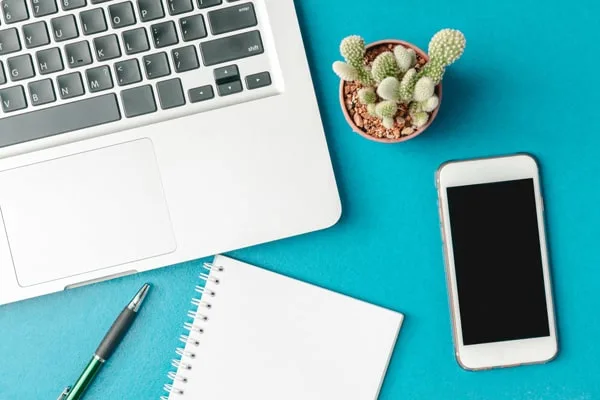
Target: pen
{"x": 108, "y": 345}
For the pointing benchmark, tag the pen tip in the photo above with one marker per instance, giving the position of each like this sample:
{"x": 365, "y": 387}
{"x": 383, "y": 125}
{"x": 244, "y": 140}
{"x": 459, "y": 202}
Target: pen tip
{"x": 138, "y": 299}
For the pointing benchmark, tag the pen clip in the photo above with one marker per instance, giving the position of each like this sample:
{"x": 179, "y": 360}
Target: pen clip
{"x": 64, "y": 393}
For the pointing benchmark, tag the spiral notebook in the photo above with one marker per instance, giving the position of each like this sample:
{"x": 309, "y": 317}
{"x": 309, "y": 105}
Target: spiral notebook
{"x": 258, "y": 335}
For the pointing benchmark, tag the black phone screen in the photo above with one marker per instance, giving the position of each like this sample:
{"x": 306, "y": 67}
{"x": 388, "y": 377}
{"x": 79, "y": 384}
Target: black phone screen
{"x": 498, "y": 261}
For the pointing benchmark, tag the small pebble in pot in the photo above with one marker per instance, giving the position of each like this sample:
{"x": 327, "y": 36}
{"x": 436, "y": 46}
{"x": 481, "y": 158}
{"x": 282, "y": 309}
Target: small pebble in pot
{"x": 358, "y": 120}
{"x": 407, "y": 131}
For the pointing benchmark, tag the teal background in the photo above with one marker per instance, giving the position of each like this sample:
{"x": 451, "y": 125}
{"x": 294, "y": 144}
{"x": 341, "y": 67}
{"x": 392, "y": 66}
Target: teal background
{"x": 528, "y": 82}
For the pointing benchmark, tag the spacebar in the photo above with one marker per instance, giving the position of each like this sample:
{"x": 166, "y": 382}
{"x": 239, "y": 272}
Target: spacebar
{"x": 59, "y": 119}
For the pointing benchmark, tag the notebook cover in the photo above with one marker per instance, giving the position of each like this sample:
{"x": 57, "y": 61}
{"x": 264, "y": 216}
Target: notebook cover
{"x": 270, "y": 337}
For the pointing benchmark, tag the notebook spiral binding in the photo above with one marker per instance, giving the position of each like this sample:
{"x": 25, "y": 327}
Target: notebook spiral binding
{"x": 186, "y": 356}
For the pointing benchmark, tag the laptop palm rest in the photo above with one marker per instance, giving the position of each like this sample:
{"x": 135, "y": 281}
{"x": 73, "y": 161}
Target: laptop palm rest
{"x": 85, "y": 212}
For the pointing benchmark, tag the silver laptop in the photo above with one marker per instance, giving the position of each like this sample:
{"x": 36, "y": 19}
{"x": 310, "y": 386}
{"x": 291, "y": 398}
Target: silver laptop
{"x": 141, "y": 133}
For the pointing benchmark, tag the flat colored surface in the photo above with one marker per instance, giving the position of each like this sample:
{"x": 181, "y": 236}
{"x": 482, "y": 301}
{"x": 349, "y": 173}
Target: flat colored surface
{"x": 528, "y": 82}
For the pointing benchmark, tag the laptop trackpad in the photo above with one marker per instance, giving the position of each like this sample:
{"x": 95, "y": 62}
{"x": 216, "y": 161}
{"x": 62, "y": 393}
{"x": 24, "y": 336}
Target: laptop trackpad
{"x": 85, "y": 212}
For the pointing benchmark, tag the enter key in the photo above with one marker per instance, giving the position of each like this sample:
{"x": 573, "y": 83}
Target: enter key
{"x": 232, "y": 18}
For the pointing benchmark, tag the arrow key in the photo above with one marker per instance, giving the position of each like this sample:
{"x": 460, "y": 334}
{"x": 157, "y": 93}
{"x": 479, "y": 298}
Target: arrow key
{"x": 227, "y": 74}
{"x": 201, "y": 94}
{"x": 258, "y": 80}
{"x": 226, "y": 89}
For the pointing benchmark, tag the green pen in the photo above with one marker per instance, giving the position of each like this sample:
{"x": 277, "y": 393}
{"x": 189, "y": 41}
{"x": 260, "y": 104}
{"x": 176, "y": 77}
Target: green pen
{"x": 108, "y": 345}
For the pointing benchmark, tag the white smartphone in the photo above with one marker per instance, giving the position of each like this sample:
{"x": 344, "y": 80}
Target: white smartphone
{"x": 492, "y": 219}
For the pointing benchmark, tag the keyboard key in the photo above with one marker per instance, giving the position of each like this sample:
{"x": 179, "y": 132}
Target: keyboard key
{"x": 59, "y": 119}
{"x": 2, "y": 75}
{"x": 150, "y": 10}
{"x": 138, "y": 101}
{"x": 99, "y": 1}
{"x": 49, "y": 61}
{"x": 135, "y": 41}
{"x": 70, "y": 85}
{"x": 179, "y": 6}
{"x": 9, "y": 41}
{"x": 164, "y": 34}
{"x": 170, "y": 94}
{"x": 107, "y": 47}
{"x": 99, "y": 79}
{"x": 78, "y": 54}
{"x": 226, "y": 74}
{"x": 41, "y": 92}
{"x": 258, "y": 80}
{"x": 121, "y": 15}
{"x": 41, "y": 8}
{"x": 232, "y": 18}
{"x": 13, "y": 99}
{"x": 14, "y": 11}
{"x": 208, "y": 3}
{"x": 227, "y": 89}
{"x": 202, "y": 93}
{"x": 192, "y": 28}
{"x": 128, "y": 72}
{"x": 185, "y": 59}
{"x": 93, "y": 21}
{"x": 35, "y": 34}
{"x": 64, "y": 28}
{"x": 72, "y": 4}
{"x": 231, "y": 48}
{"x": 20, "y": 67}
{"x": 156, "y": 65}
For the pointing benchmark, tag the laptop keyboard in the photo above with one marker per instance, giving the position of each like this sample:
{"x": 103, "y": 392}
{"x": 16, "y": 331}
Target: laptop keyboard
{"x": 68, "y": 65}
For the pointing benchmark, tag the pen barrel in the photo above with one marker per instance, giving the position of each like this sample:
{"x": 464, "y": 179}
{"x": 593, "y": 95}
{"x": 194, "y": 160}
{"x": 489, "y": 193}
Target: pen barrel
{"x": 87, "y": 376}
{"x": 114, "y": 336}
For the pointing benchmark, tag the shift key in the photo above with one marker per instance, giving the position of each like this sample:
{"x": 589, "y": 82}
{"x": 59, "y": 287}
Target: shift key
{"x": 231, "y": 48}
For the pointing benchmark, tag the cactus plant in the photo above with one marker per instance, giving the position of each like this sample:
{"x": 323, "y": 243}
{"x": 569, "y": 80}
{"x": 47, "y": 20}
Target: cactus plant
{"x": 407, "y": 85}
{"x": 345, "y": 71}
{"x": 446, "y": 46}
{"x": 406, "y": 58}
{"x": 353, "y": 50}
{"x": 396, "y": 84}
{"x": 367, "y": 96}
{"x": 424, "y": 89}
{"x": 389, "y": 89}
{"x": 430, "y": 104}
{"x": 371, "y": 109}
{"x": 385, "y": 65}
{"x": 386, "y": 110}
{"x": 420, "y": 119}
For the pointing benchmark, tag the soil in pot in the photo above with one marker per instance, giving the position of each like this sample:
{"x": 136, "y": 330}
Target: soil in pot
{"x": 369, "y": 124}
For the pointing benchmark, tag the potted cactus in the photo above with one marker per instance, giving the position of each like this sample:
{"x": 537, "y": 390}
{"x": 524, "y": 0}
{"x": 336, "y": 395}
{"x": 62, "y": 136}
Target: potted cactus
{"x": 391, "y": 90}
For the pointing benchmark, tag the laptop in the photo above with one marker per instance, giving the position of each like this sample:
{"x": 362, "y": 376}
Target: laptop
{"x": 142, "y": 133}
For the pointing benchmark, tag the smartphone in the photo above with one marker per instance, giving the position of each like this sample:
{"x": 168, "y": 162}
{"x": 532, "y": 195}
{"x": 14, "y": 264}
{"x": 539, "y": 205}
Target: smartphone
{"x": 497, "y": 269}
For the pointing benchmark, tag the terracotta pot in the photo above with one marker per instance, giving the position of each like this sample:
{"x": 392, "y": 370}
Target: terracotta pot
{"x": 355, "y": 128}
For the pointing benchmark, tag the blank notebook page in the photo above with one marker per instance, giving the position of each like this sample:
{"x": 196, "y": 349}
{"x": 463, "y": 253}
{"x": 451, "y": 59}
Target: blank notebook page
{"x": 269, "y": 337}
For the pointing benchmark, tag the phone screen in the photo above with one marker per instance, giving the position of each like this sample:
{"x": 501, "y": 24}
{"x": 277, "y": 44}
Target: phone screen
{"x": 498, "y": 261}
